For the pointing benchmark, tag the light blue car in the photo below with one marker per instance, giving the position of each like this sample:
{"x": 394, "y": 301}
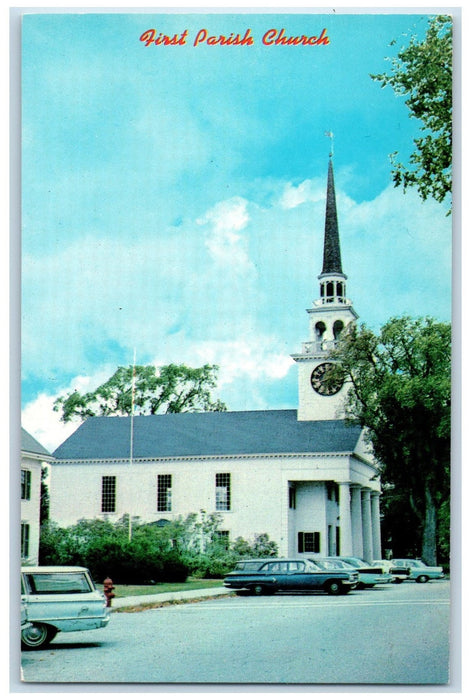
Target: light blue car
{"x": 369, "y": 575}
{"x": 59, "y": 599}
{"x": 419, "y": 571}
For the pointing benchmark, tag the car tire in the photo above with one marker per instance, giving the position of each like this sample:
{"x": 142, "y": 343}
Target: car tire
{"x": 422, "y": 578}
{"x": 37, "y": 636}
{"x": 333, "y": 587}
{"x": 258, "y": 589}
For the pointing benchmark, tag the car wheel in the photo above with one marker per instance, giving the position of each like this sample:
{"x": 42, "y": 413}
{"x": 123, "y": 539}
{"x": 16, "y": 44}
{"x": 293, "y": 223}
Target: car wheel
{"x": 333, "y": 587}
{"x": 398, "y": 580}
{"x": 37, "y": 636}
{"x": 258, "y": 589}
{"x": 422, "y": 579}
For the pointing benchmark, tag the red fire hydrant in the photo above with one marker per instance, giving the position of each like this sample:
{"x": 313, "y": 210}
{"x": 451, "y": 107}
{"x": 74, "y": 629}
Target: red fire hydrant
{"x": 108, "y": 591}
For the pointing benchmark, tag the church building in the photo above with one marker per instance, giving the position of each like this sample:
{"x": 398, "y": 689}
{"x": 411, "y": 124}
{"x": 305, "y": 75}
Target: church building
{"x": 305, "y": 477}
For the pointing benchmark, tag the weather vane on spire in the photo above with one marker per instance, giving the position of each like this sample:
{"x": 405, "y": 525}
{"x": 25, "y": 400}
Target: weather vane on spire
{"x": 330, "y": 135}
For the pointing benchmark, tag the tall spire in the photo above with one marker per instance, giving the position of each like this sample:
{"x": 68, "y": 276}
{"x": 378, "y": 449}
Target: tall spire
{"x": 332, "y": 259}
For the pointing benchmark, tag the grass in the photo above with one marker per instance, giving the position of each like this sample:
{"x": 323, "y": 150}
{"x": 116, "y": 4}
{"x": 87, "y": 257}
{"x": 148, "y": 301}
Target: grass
{"x": 191, "y": 584}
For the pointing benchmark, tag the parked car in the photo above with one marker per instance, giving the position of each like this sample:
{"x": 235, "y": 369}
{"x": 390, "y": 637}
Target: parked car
{"x": 419, "y": 571}
{"x": 290, "y": 575}
{"x": 60, "y": 599}
{"x": 369, "y": 574}
{"x": 399, "y": 573}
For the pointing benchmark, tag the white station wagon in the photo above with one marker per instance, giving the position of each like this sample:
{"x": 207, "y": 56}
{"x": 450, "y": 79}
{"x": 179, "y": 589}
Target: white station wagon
{"x": 59, "y": 599}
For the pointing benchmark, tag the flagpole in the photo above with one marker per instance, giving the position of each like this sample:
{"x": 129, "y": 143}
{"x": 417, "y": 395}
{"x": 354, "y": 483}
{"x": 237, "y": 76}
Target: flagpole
{"x": 131, "y": 436}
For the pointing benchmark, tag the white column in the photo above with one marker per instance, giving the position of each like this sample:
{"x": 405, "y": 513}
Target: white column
{"x": 357, "y": 527}
{"x": 345, "y": 520}
{"x": 375, "y": 525}
{"x": 366, "y": 517}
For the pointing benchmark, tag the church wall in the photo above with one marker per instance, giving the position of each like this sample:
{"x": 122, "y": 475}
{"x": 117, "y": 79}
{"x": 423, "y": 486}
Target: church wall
{"x": 259, "y": 490}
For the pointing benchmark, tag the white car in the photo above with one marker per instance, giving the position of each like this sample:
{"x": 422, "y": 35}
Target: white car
{"x": 59, "y": 599}
{"x": 419, "y": 571}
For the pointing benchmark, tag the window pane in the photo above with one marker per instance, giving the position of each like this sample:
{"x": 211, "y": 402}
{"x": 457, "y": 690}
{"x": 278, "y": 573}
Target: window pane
{"x": 25, "y": 485}
{"x": 59, "y": 583}
{"x": 223, "y": 491}
{"x": 164, "y": 492}
{"x": 108, "y": 494}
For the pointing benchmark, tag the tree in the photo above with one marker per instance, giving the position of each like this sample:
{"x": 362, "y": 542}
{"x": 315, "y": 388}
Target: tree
{"x": 145, "y": 390}
{"x": 44, "y": 496}
{"x": 399, "y": 390}
{"x": 423, "y": 72}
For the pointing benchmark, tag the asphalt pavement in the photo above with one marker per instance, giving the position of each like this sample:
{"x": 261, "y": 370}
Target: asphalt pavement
{"x": 395, "y": 635}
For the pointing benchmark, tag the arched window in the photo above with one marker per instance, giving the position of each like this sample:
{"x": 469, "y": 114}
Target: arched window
{"x": 320, "y": 330}
{"x": 330, "y": 292}
{"x": 338, "y": 328}
{"x": 340, "y": 290}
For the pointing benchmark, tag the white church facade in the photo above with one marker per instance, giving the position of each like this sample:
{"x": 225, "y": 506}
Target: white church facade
{"x": 305, "y": 477}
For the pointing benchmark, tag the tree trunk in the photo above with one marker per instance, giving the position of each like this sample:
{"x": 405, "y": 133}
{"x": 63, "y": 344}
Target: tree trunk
{"x": 429, "y": 535}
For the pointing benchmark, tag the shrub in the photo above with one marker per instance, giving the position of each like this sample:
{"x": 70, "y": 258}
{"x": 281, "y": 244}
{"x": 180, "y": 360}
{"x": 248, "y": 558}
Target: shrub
{"x": 147, "y": 552}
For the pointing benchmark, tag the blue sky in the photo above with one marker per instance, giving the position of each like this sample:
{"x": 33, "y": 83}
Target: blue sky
{"x": 173, "y": 198}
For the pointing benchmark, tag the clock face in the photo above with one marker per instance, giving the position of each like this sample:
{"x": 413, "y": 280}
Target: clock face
{"x": 324, "y": 385}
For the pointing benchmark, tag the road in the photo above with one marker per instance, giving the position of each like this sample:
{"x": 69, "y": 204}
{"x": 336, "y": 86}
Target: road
{"x": 396, "y": 634}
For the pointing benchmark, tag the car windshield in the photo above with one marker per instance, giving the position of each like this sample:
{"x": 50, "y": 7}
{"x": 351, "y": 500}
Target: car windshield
{"x": 45, "y": 583}
{"x": 329, "y": 564}
{"x": 357, "y": 562}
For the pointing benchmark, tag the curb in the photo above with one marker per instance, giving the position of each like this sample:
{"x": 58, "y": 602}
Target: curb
{"x": 131, "y": 601}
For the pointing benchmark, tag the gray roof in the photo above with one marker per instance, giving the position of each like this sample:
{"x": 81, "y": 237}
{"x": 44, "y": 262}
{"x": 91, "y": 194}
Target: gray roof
{"x": 29, "y": 444}
{"x": 207, "y": 434}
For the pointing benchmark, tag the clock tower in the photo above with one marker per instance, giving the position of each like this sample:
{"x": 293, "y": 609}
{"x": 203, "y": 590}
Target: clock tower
{"x": 329, "y": 315}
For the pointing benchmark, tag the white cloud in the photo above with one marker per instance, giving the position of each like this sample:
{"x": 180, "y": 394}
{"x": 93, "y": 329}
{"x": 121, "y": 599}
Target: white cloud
{"x": 226, "y": 245}
{"x": 232, "y": 291}
{"x": 43, "y": 423}
{"x": 308, "y": 191}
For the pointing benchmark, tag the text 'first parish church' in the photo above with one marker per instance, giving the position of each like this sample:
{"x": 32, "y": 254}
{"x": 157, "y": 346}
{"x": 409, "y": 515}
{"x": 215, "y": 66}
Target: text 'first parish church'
{"x": 305, "y": 477}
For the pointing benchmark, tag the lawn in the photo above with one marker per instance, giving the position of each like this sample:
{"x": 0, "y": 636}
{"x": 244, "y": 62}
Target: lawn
{"x": 191, "y": 584}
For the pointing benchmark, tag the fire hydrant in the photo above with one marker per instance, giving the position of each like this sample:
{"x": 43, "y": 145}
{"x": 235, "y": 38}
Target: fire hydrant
{"x": 108, "y": 591}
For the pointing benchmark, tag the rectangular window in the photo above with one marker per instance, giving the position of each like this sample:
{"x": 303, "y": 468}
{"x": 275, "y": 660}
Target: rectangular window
{"x": 46, "y": 584}
{"x": 309, "y": 542}
{"x": 108, "y": 494}
{"x": 292, "y": 496}
{"x": 25, "y": 485}
{"x": 24, "y": 540}
{"x": 164, "y": 492}
{"x": 223, "y": 491}
{"x": 221, "y": 537}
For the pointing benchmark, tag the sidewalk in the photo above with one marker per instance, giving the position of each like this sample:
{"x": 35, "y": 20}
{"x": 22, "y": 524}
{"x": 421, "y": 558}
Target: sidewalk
{"x": 131, "y": 601}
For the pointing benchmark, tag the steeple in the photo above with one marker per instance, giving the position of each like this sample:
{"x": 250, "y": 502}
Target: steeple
{"x": 332, "y": 278}
{"x": 329, "y": 315}
{"x": 332, "y": 257}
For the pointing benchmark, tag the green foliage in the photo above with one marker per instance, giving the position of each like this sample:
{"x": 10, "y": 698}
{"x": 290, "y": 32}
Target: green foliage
{"x": 146, "y": 552}
{"x": 400, "y": 391}
{"x": 423, "y": 72}
{"x": 260, "y": 547}
{"x": 145, "y": 390}
{"x": 44, "y": 497}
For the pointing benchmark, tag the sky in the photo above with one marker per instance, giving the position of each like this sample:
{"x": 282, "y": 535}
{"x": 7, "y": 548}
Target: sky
{"x": 173, "y": 197}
